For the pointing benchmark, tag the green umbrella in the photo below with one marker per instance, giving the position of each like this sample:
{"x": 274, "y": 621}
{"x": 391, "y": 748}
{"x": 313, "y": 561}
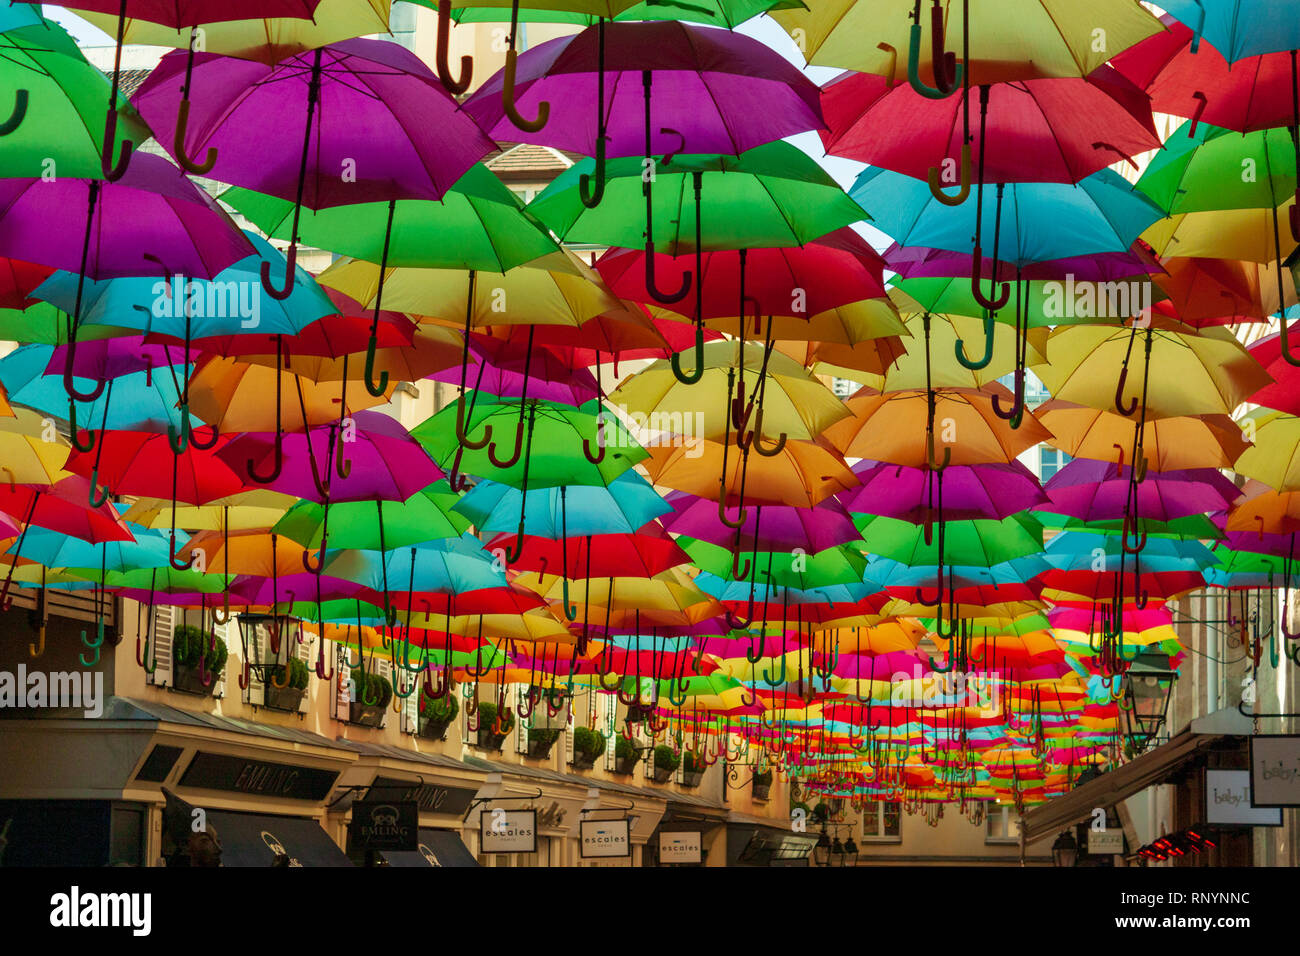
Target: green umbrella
{"x": 771, "y": 196}
{"x": 43, "y": 324}
{"x": 375, "y": 525}
{"x": 978, "y": 543}
{"x": 1215, "y": 169}
{"x": 722, "y": 13}
{"x": 548, "y": 457}
{"x": 837, "y": 565}
{"x": 953, "y": 296}
{"x": 62, "y": 132}
{"x": 478, "y": 224}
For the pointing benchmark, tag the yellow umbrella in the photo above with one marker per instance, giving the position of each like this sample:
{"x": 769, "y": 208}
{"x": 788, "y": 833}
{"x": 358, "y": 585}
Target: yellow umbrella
{"x": 31, "y": 448}
{"x": 1275, "y": 457}
{"x": 246, "y": 511}
{"x": 909, "y": 371}
{"x": 1209, "y": 373}
{"x": 1222, "y": 234}
{"x": 537, "y": 626}
{"x": 845, "y": 361}
{"x": 791, "y": 401}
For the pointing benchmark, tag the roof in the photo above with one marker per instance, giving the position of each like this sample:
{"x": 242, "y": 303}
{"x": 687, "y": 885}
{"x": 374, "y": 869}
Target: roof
{"x": 129, "y": 81}
{"x": 522, "y": 158}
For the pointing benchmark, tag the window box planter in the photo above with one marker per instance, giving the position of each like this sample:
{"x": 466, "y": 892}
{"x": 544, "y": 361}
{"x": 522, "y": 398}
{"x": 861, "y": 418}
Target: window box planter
{"x": 762, "y": 785}
{"x": 541, "y": 740}
{"x": 588, "y": 744}
{"x": 376, "y": 688}
{"x": 365, "y": 715}
{"x": 433, "y": 728}
{"x": 692, "y": 778}
{"x": 436, "y": 715}
{"x": 289, "y": 697}
{"x": 665, "y": 763}
{"x": 490, "y": 735}
{"x": 192, "y": 657}
{"x": 692, "y": 770}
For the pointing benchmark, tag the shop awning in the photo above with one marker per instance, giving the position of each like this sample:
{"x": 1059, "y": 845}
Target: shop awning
{"x": 437, "y": 848}
{"x": 749, "y": 844}
{"x": 1147, "y": 770}
{"x": 253, "y": 839}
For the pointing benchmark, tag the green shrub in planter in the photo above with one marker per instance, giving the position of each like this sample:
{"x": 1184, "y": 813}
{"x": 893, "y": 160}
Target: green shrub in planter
{"x": 373, "y": 694}
{"x": 541, "y": 739}
{"x": 288, "y": 697}
{"x": 626, "y": 755}
{"x": 762, "y": 784}
{"x": 489, "y": 735}
{"x": 666, "y": 763}
{"x": 692, "y": 770}
{"x": 588, "y": 744}
{"x": 821, "y": 813}
{"x": 190, "y": 646}
{"x": 436, "y": 715}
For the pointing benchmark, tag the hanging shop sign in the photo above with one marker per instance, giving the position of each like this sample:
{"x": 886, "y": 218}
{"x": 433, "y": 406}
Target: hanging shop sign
{"x": 1106, "y": 842}
{"x": 1275, "y": 770}
{"x": 508, "y": 831}
{"x": 605, "y": 838}
{"x": 431, "y": 797}
{"x": 385, "y": 825}
{"x": 681, "y": 846}
{"x": 1229, "y": 801}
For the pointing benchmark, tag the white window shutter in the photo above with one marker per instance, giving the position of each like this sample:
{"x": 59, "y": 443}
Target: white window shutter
{"x": 307, "y": 654}
{"x": 411, "y": 705}
{"x": 611, "y": 717}
{"x": 342, "y": 695}
{"x": 521, "y": 733}
{"x": 256, "y": 686}
{"x": 162, "y": 645}
{"x": 219, "y": 686}
{"x": 384, "y": 668}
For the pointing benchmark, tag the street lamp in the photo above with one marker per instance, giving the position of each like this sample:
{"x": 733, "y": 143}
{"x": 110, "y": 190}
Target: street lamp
{"x": 822, "y": 851}
{"x": 1065, "y": 852}
{"x": 1145, "y": 702}
{"x": 850, "y": 853}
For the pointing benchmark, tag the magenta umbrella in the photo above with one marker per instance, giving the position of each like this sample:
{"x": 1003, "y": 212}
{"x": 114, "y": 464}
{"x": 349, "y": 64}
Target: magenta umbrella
{"x": 111, "y": 358}
{"x": 1099, "y": 490}
{"x": 371, "y": 458}
{"x": 511, "y": 368}
{"x": 778, "y": 527}
{"x": 151, "y": 213}
{"x": 922, "y": 262}
{"x": 996, "y": 490}
{"x": 378, "y": 126}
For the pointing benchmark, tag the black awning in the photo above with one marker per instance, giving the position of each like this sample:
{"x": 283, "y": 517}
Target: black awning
{"x": 437, "y": 848}
{"x": 253, "y": 839}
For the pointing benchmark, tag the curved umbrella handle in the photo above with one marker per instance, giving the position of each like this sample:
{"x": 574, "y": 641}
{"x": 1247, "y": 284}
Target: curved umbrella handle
{"x": 178, "y": 437}
{"x": 190, "y": 431}
{"x": 757, "y": 439}
{"x": 780, "y": 679}
{"x": 930, "y": 457}
{"x": 290, "y": 260}
{"x": 1015, "y": 414}
{"x": 455, "y": 479}
{"x": 516, "y": 550}
{"x": 936, "y": 187}
{"x": 690, "y": 378}
{"x": 508, "y": 99}
{"x": 19, "y": 113}
{"x": 1202, "y": 103}
{"x": 737, "y": 572}
{"x": 114, "y": 172}
{"x": 382, "y": 386}
{"x": 591, "y": 196}
{"x": 599, "y": 456}
{"x": 171, "y": 556}
{"x": 959, "y": 347}
{"x": 178, "y": 144}
{"x": 514, "y": 457}
{"x": 976, "y": 277}
{"x": 666, "y": 298}
{"x": 947, "y": 74}
{"x": 1125, "y": 410}
{"x": 453, "y": 86}
{"x": 570, "y": 610}
{"x": 73, "y": 429}
{"x": 462, "y": 434}
{"x": 97, "y": 499}
{"x": 276, "y": 468}
{"x": 891, "y": 75}
{"x": 68, "y": 385}
{"x": 741, "y": 515}
{"x": 92, "y": 645}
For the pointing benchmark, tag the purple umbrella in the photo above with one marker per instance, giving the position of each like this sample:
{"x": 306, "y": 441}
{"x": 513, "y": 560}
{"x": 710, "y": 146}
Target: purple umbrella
{"x": 921, "y": 262}
{"x": 375, "y": 458}
{"x": 111, "y": 358}
{"x": 379, "y": 126}
{"x": 996, "y": 490}
{"x": 510, "y": 371}
{"x": 1278, "y": 545}
{"x": 1099, "y": 490}
{"x": 152, "y": 211}
{"x": 706, "y": 85}
{"x": 779, "y": 528}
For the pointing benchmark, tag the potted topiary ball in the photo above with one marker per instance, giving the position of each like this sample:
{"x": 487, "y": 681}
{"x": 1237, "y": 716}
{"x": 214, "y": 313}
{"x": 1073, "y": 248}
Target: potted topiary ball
{"x": 588, "y": 744}
{"x": 666, "y": 763}
{"x": 762, "y": 784}
{"x": 541, "y": 740}
{"x": 196, "y": 655}
{"x": 289, "y": 697}
{"x": 492, "y": 732}
{"x": 436, "y": 715}
{"x": 693, "y": 769}
{"x": 373, "y": 694}
{"x": 626, "y": 755}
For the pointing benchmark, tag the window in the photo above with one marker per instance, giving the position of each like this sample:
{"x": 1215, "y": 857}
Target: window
{"x": 843, "y": 388}
{"x": 1050, "y": 461}
{"x": 881, "y": 822}
{"x": 1001, "y": 827}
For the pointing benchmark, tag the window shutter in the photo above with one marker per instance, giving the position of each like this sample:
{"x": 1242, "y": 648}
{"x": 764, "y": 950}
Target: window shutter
{"x": 256, "y": 686}
{"x": 342, "y": 695}
{"x": 222, "y": 632}
{"x": 411, "y": 706}
{"x": 384, "y": 668}
{"x": 521, "y": 732}
{"x": 307, "y": 654}
{"x": 162, "y": 651}
{"x": 611, "y": 719}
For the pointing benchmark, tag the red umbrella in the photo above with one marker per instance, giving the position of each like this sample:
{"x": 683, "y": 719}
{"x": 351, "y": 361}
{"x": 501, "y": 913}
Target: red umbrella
{"x": 1284, "y": 393}
{"x": 143, "y": 464}
{"x": 17, "y": 280}
{"x": 643, "y": 555}
{"x": 62, "y": 507}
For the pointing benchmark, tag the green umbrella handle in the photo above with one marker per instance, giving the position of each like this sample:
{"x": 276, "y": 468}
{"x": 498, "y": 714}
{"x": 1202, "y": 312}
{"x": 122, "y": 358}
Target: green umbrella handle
{"x": 948, "y": 73}
{"x": 959, "y": 347}
{"x": 16, "y": 117}
{"x": 92, "y": 645}
{"x": 690, "y": 378}
{"x": 779, "y": 680}
{"x": 454, "y": 86}
{"x": 73, "y": 429}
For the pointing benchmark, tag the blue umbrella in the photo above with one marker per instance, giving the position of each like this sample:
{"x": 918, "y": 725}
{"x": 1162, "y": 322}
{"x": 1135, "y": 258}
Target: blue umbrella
{"x": 627, "y": 504}
{"x": 1239, "y": 28}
